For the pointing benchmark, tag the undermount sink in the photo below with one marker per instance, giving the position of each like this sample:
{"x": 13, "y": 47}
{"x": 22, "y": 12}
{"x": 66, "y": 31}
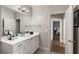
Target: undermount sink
{"x": 14, "y": 38}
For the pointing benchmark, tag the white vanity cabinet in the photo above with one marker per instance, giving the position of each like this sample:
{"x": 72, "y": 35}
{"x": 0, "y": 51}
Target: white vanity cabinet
{"x": 23, "y": 45}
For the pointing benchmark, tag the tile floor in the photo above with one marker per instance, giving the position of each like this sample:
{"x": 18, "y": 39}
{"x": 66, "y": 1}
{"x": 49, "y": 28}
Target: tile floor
{"x": 40, "y": 51}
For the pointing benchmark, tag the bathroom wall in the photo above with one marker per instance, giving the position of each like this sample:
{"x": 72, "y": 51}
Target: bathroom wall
{"x": 9, "y": 19}
{"x": 41, "y": 16}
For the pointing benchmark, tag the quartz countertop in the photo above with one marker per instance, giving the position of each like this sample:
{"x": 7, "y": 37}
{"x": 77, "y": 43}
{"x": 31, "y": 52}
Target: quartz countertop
{"x": 17, "y": 39}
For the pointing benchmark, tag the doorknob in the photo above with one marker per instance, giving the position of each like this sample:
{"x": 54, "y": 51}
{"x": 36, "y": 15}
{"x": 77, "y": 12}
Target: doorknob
{"x": 71, "y": 41}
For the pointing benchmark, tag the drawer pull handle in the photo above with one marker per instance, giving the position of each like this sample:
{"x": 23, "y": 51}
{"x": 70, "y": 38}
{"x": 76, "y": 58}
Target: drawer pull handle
{"x": 19, "y": 45}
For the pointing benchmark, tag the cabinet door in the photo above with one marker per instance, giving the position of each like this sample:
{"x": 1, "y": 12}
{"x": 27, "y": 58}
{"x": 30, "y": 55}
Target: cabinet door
{"x": 35, "y": 43}
{"x": 18, "y": 48}
{"x": 27, "y": 46}
{"x": 31, "y": 45}
{"x": 6, "y": 48}
{"x": 18, "y": 51}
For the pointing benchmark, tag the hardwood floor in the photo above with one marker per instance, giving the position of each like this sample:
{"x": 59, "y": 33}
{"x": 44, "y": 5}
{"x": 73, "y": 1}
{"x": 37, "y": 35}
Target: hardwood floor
{"x": 57, "y": 46}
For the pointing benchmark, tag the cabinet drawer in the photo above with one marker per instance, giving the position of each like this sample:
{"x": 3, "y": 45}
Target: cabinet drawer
{"x": 18, "y": 46}
{"x": 18, "y": 51}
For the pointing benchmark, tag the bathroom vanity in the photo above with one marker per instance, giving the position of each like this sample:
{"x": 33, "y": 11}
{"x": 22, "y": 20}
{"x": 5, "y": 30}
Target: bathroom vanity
{"x": 20, "y": 44}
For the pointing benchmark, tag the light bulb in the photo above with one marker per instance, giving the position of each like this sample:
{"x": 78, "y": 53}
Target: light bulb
{"x": 23, "y": 8}
{"x": 27, "y": 10}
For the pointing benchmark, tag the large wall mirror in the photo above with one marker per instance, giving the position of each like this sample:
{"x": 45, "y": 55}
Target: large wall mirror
{"x": 15, "y": 20}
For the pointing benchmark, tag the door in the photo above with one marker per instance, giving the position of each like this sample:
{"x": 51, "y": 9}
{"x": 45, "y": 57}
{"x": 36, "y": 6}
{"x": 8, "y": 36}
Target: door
{"x": 27, "y": 46}
{"x": 76, "y": 31}
{"x": 75, "y": 46}
{"x": 17, "y": 26}
{"x": 68, "y": 30}
{"x": 35, "y": 43}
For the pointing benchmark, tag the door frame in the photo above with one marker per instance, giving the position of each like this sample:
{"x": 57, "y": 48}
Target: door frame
{"x": 49, "y": 15}
{"x": 63, "y": 28}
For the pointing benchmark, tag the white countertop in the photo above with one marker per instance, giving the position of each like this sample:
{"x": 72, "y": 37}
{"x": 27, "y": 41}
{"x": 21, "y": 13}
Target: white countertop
{"x": 17, "y": 39}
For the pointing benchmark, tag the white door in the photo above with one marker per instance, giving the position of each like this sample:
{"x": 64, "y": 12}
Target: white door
{"x": 68, "y": 30}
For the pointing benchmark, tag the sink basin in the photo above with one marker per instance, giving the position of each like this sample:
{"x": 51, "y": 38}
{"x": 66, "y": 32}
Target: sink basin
{"x": 7, "y": 38}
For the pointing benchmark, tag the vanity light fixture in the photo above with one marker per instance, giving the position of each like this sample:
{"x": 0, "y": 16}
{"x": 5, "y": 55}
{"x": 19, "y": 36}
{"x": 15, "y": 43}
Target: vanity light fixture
{"x": 24, "y": 10}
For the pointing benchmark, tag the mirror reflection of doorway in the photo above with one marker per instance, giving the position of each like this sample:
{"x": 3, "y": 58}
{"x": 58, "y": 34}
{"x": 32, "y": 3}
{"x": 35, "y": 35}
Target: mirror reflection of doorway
{"x": 57, "y": 44}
